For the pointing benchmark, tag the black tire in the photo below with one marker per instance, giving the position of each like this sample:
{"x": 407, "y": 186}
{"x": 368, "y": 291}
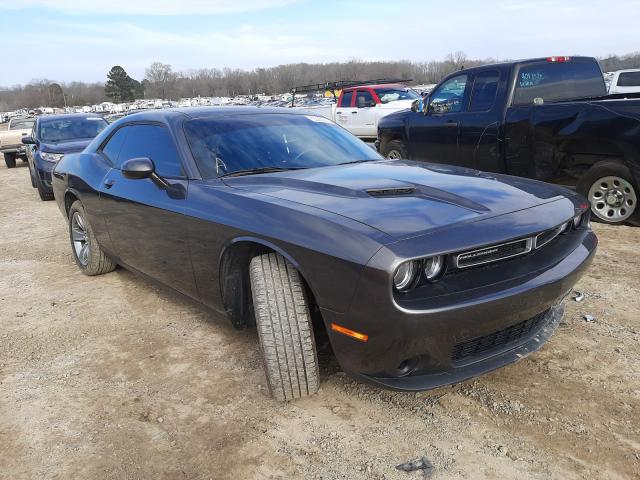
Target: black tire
{"x": 284, "y": 328}
{"x": 592, "y": 185}
{"x": 44, "y": 192}
{"x": 395, "y": 150}
{"x": 96, "y": 262}
{"x": 10, "y": 160}
{"x": 32, "y": 176}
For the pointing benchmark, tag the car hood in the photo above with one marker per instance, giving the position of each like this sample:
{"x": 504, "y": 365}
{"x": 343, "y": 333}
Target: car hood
{"x": 403, "y": 198}
{"x": 70, "y": 146}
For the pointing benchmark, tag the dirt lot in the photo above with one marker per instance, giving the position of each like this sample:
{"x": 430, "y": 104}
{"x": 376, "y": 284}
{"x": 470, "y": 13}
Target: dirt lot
{"x": 111, "y": 377}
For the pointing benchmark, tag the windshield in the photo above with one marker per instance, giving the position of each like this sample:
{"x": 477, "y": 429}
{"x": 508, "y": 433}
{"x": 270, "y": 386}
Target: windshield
{"x": 241, "y": 142}
{"x": 22, "y": 124}
{"x": 558, "y": 81}
{"x": 387, "y": 95}
{"x": 66, "y": 129}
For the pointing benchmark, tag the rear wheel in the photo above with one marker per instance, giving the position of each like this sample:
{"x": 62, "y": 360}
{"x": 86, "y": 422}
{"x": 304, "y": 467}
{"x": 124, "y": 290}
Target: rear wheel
{"x": 611, "y": 191}
{"x": 284, "y": 327}
{"x": 86, "y": 252}
{"x": 395, "y": 150}
{"x": 10, "y": 160}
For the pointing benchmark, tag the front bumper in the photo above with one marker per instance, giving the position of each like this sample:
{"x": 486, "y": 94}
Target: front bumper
{"x": 43, "y": 171}
{"x": 493, "y": 325}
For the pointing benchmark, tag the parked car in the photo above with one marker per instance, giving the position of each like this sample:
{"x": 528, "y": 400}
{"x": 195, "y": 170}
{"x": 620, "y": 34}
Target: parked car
{"x": 360, "y": 108}
{"x": 547, "y": 118}
{"x": 11, "y": 140}
{"x": 54, "y": 136}
{"x": 625, "y": 81}
{"x": 422, "y": 275}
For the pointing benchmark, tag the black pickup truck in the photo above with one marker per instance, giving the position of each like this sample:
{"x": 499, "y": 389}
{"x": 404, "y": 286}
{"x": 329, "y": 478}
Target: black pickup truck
{"x": 547, "y": 118}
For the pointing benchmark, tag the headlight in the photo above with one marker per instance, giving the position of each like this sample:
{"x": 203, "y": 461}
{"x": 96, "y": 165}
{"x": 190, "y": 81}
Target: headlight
{"x": 433, "y": 267}
{"x": 51, "y": 157}
{"x": 405, "y": 275}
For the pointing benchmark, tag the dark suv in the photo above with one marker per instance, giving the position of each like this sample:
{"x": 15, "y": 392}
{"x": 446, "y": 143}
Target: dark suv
{"x": 54, "y": 136}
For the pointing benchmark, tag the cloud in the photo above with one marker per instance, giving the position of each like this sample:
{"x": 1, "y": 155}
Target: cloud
{"x": 147, "y": 7}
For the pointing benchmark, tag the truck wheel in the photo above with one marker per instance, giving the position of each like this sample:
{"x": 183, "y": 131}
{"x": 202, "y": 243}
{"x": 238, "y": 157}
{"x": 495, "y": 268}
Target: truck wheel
{"x": 611, "y": 191}
{"x": 10, "y": 160}
{"x": 284, "y": 328}
{"x": 89, "y": 257}
{"x": 395, "y": 150}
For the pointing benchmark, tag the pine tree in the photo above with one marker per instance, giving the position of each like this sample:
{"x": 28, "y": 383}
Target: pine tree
{"x": 120, "y": 86}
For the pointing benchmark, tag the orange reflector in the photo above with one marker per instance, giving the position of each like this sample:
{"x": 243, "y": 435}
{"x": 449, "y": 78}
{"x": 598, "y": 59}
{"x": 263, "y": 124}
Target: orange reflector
{"x": 349, "y": 333}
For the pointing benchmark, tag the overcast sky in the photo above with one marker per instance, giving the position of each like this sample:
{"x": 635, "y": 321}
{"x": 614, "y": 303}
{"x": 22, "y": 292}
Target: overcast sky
{"x": 81, "y": 39}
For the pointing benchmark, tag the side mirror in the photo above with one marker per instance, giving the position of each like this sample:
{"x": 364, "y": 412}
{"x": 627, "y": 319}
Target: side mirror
{"x": 28, "y": 140}
{"x": 137, "y": 168}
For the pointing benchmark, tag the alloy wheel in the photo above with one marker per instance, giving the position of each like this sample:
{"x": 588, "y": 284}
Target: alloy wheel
{"x": 80, "y": 238}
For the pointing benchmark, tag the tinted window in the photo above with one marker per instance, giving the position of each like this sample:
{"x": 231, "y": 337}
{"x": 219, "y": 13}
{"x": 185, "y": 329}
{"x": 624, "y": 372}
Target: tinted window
{"x": 346, "y": 99}
{"x": 21, "y": 124}
{"x": 485, "y": 88}
{"x": 364, "y": 99}
{"x": 558, "y": 81}
{"x": 629, "y": 79}
{"x": 449, "y": 97}
{"x": 113, "y": 146}
{"x": 223, "y": 145}
{"x": 154, "y": 142}
{"x": 72, "y": 128}
{"x": 387, "y": 95}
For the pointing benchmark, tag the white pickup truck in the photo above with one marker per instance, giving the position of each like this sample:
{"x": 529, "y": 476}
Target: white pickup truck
{"x": 359, "y": 108}
{"x": 624, "y": 81}
{"x": 11, "y": 145}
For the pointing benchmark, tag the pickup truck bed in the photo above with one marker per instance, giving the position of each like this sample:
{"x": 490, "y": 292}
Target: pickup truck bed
{"x": 549, "y": 119}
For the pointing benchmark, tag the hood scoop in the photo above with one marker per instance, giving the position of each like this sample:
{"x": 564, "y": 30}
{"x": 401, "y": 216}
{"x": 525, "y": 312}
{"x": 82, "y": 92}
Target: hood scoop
{"x": 390, "y": 191}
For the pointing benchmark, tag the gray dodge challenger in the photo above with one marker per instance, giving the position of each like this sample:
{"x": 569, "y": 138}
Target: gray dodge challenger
{"x": 419, "y": 274}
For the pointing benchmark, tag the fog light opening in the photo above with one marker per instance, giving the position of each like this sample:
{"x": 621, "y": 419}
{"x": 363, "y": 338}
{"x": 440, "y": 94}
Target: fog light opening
{"x": 406, "y": 367}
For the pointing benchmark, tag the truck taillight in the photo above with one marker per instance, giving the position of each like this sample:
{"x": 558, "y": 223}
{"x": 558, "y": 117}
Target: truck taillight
{"x": 558, "y": 59}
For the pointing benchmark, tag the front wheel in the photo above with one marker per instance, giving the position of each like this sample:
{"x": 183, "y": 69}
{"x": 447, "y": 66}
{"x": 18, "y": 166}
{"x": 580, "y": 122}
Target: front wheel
{"x": 395, "y": 150}
{"x": 10, "y": 160}
{"x": 86, "y": 252}
{"x": 284, "y": 327}
{"x": 611, "y": 191}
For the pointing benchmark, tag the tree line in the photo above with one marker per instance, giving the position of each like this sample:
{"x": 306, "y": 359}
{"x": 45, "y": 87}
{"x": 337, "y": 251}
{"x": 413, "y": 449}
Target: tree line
{"x": 161, "y": 81}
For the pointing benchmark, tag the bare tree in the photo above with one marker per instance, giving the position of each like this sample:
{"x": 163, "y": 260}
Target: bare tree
{"x": 161, "y": 79}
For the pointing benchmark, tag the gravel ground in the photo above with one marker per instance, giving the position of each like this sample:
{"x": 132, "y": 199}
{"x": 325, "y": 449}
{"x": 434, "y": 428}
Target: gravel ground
{"x": 111, "y": 377}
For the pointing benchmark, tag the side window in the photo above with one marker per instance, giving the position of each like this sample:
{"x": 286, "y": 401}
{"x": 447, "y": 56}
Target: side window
{"x": 485, "y": 88}
{"x": 112, "y": 148}
{"x": 364, "y": 99}
{"x": 154, "y": 142}
{"x": 346, "y": 99}
{"x": 629, "y": 79}
{"x": 449, "y": 97}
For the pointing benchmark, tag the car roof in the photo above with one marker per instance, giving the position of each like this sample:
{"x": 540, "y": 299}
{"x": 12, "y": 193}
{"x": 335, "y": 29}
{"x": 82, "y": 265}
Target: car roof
{"x": 202, "y": 112}
{"x": 68, "y": 115}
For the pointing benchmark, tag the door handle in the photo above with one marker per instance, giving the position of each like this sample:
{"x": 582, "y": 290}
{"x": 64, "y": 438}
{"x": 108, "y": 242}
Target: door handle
{"x": 109, "y": 183}
{"x": 451, "y": 123}
{"x": 353, "y": 113}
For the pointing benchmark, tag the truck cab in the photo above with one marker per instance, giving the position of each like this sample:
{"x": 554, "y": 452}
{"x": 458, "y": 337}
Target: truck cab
{"x": 360, "y": 108}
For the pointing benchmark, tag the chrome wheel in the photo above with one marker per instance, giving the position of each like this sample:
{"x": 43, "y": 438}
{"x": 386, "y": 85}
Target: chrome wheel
{"x": 80, "y": 238}
{"x": 613, "y": 199}
{"x": 394, "y": 155}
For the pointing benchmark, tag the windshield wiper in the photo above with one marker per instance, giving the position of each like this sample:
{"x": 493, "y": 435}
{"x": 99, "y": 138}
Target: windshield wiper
{"x": 358, "y": 161}
{"x": 254, "y": 171}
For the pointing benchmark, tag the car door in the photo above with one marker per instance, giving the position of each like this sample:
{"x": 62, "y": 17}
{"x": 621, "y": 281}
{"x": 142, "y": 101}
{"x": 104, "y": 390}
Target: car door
{"x": 363, "y": 116}
{"x": 145, "y": 221}
{"x": 478, "y": 124}
{"x": 344, "y": 111}
{"x": 433, "y": 136}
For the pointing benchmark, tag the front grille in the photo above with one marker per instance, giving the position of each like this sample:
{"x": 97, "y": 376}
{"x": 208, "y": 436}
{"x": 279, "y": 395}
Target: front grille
{"x": 494, "y": 341}
{"x": 493, "y": 253}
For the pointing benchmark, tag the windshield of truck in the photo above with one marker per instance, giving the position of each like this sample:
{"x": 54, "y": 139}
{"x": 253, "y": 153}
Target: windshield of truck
{"x": 243, "y": 144}
{"x": 544, "y": 82}
{"x": 66, "y": 129}
{"x": 387, "y": 95}
{"x": 22, "y": 124}
{"x": 629, "y": 79}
